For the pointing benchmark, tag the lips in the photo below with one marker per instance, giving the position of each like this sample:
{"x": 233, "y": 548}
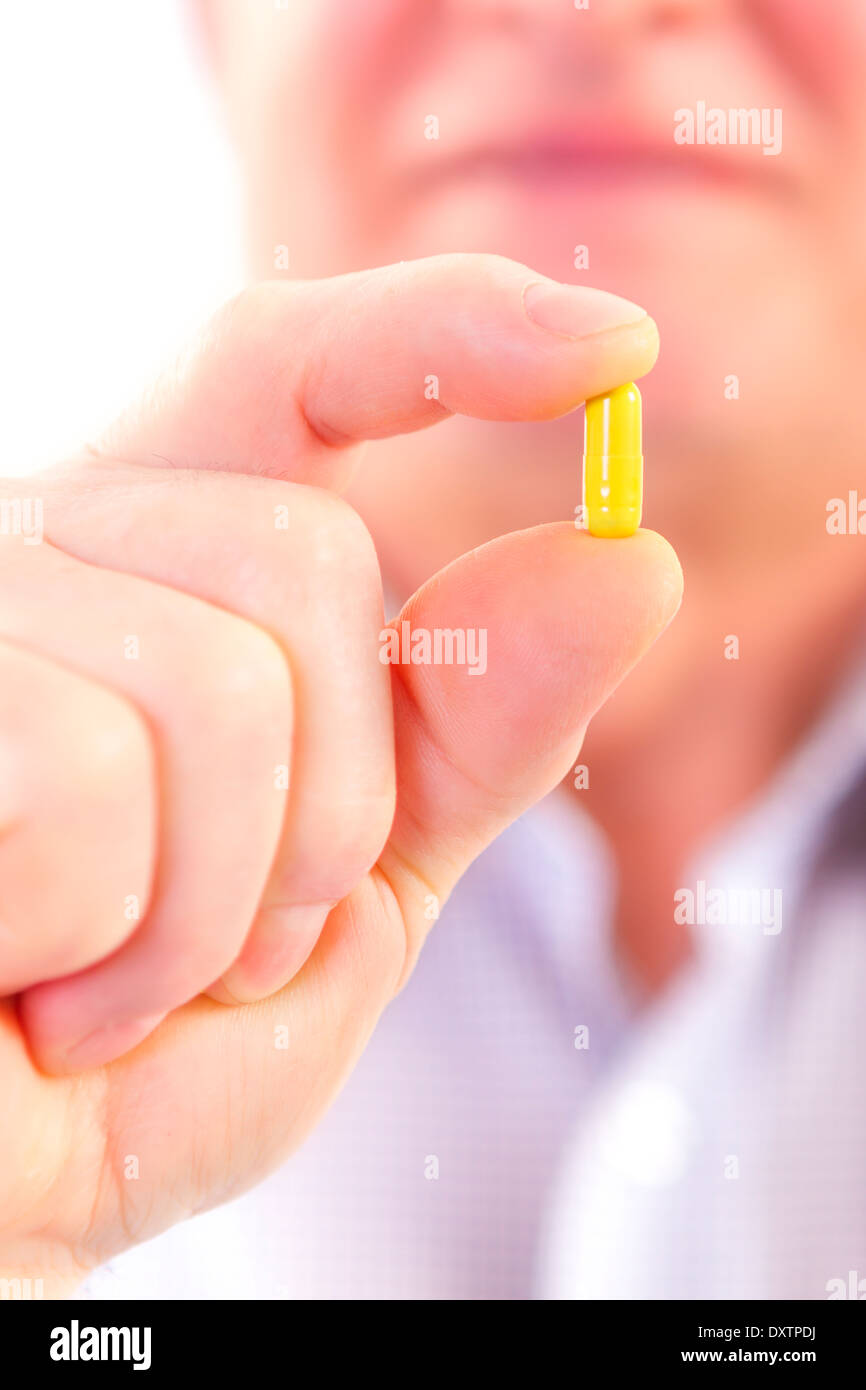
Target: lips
{"x": 597, "y": 157}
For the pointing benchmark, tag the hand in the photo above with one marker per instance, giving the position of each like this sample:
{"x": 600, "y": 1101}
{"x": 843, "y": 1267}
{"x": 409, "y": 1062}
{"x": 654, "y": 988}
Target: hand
{"x": 202, "y": 751}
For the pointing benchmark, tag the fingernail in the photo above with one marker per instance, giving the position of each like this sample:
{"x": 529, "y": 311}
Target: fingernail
{"x": 110, "y": 1041}
{"x": 573, "y": 311}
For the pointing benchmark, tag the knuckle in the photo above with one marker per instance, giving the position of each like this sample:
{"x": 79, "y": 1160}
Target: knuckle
{"x": 109, "y": 745}
{"x": 239, "y": 314}
{"x": 244, "y": 669}
{"x": 246, "y": 663}
{"x": 256, "y": 316}
{"x": 339, "y": 540}
{"x": 473, "y": 268}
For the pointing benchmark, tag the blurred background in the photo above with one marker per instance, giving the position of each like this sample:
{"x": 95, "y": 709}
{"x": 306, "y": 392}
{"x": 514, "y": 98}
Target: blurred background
{"x": 120, "y": 224}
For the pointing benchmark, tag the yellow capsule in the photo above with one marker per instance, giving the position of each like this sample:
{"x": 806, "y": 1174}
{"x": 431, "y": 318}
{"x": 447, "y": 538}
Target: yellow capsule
{"x": 613, "y": 462}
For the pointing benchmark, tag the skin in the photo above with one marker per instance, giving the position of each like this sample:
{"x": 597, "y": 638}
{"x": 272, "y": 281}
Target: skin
{"x": 310, "y": 905}
{"x": 171, "y": 779}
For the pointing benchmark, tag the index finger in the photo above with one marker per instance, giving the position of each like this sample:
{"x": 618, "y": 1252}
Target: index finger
{"x": 287, "y": 375}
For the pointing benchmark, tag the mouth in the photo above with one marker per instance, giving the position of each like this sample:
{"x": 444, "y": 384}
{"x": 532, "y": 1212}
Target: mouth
{"x": 557, "y": 164}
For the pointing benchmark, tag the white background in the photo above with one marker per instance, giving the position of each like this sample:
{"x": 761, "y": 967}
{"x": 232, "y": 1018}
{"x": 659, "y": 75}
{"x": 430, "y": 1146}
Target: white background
{"x": 118, "y": 216}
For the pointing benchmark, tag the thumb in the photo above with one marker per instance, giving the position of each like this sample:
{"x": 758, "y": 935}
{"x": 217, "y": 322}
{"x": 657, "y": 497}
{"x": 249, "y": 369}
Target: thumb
{"x": 565, "y": 616}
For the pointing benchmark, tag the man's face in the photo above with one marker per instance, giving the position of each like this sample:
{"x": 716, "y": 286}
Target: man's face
{"x": 390, "y": 129}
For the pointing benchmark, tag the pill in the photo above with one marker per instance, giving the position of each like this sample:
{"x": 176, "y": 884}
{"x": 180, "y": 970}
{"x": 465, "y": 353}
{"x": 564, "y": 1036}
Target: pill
{"x": 613, "y": 462}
